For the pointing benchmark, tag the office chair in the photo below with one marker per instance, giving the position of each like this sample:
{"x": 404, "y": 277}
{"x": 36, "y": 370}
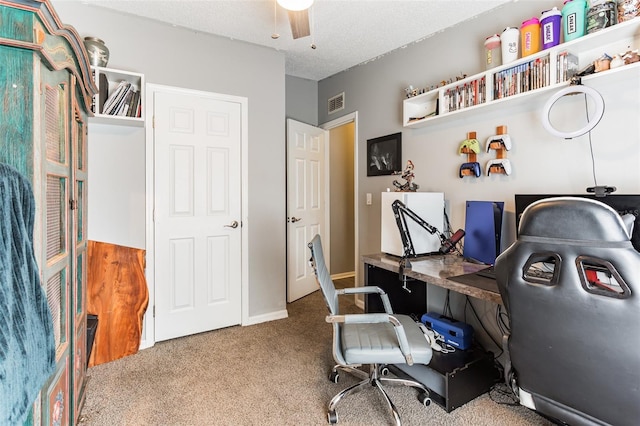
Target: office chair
{"x": 376, "y": 339}
{"x": 570, "y": 285}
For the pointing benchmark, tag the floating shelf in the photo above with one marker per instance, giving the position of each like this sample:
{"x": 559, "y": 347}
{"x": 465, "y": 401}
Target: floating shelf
{"x": 612, "y": 40}
{"x": 113, "y": 79}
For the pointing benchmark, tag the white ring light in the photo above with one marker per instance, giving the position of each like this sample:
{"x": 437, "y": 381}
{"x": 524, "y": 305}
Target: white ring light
{"x": 572, "y": 90}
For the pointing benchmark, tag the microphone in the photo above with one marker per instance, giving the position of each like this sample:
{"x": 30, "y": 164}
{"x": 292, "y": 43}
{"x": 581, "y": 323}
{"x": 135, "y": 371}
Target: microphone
{"x": 449, "y": 243}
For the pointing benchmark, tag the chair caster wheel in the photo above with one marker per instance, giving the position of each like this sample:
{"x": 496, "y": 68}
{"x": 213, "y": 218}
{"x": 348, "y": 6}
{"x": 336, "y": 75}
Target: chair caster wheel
{"x": 384, "y": 371}
{"x": 424, "y": 399}
{"x": 334, "y": 376}
{"x": 332, "y": 417}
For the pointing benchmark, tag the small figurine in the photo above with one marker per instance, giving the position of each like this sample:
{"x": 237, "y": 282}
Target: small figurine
{"x": 408, "y": 176}
{"x": 616, "y": 62}
{"x": 603, "y": 63}
{"x": 410, "y": 91}
{"x": 630, "y": 56}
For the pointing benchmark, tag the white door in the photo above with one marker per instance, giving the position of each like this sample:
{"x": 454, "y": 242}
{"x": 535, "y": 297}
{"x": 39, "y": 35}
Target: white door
{"x": 197, "y": 142}
{"x": 306, "y": 203}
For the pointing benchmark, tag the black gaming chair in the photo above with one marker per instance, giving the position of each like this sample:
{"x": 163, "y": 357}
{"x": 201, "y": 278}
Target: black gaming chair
{"x": 570, "y": 284}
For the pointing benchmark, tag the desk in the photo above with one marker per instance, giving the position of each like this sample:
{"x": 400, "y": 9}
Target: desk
{"x": 456, "y": 378}
{"x": 436, "y": 270}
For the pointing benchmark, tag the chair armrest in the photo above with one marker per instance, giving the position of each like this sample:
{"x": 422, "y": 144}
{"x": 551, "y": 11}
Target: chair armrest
{"x": 369, "y": 290}
{"x": 375, "y": 319}
{"x": 363, "y": 290}
{"x": 364, "y": 319}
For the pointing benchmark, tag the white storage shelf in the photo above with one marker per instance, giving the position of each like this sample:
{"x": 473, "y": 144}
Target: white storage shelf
{"x": 114, "y": 77}
{"x": 613, "y": 40}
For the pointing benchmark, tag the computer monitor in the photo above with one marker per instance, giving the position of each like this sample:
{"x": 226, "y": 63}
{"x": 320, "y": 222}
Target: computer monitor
{"x": 623, "y": 204}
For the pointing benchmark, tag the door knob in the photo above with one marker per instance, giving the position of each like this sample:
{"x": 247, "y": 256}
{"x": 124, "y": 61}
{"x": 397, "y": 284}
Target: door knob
{"x": 295, "y": 219}
{"x": 233, "y": 225}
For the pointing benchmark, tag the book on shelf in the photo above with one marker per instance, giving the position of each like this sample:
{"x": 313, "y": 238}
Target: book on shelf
{"x": 465, "y": 95}
{"x": 133, "y": 105}
{"x": 121, "y": 101}
{"x": 124, "y": 105}
{"x": 103, "y": 87}
{"x": 116, "y": 97}
{"x": 566, "y": 66}
{"x": 522, "y": 78}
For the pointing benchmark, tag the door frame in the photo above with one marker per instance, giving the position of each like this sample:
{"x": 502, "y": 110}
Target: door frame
{"x": 346, "y": 119}
{"x": 148, "y": 331}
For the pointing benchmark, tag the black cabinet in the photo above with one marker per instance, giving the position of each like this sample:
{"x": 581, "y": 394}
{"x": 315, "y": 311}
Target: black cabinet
{"x": 453, "y": 378}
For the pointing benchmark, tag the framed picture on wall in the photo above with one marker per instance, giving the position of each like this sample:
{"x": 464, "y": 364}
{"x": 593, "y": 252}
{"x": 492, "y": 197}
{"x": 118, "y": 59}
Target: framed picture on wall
{"x": 384, "y": 155}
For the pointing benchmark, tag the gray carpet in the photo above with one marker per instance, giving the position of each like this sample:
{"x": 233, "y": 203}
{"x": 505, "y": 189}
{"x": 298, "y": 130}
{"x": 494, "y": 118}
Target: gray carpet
{"x": 273, "y": 373}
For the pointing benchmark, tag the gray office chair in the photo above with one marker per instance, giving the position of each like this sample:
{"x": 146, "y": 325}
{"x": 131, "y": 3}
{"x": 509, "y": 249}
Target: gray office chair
{"x": 570, "y": 285}
{"x": 376, "y": 339}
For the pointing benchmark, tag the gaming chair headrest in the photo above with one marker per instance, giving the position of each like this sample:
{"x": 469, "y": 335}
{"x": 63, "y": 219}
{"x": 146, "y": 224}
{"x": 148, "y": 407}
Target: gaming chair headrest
{"x": 573, "y": 218}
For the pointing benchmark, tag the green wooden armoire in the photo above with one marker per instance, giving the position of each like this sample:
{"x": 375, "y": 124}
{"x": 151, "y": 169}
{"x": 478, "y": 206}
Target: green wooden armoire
{"x": 45, "y": 97}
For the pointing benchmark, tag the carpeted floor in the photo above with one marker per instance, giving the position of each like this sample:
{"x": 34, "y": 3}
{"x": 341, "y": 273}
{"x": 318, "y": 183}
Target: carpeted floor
{"x": 273, "y": 373}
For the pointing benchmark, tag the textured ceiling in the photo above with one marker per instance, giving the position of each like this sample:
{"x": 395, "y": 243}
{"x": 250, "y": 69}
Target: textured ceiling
{"x": 346, "y": 32}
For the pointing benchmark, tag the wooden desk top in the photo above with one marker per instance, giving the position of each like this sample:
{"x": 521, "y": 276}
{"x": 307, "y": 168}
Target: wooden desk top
{"x": 436, "y": 270}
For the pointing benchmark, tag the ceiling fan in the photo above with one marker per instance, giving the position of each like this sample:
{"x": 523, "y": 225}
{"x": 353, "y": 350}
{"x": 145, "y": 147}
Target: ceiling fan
{"x": 298, "y": 11}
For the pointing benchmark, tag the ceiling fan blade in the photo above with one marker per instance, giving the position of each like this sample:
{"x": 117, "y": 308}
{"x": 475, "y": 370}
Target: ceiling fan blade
{"x": 299, "y": 21}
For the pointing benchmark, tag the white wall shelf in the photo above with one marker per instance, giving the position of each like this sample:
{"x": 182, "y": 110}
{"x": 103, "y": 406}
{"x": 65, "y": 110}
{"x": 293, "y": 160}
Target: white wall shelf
{"x": 113, "y": 79}
{"x": 613, "y": 40}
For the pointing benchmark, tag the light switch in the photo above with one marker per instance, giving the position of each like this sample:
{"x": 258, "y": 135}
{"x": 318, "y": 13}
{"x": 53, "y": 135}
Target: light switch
{"x": 368, "y": 198}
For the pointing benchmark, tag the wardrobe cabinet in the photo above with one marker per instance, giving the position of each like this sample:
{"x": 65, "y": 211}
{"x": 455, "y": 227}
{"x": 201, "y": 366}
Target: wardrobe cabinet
{"x": 46, "y": 91}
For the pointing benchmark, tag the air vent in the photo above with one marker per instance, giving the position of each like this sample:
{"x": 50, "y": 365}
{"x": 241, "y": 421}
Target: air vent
{"x": 336, "y": 103}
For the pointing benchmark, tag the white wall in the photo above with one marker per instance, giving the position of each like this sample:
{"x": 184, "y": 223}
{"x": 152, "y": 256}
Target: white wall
{"x": 116, "y": 185}
{"x": 302, "y": 99}
{"x": 184, "y": 58}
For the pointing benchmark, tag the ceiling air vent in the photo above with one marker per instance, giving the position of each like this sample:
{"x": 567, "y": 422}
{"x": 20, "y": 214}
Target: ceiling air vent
{"x": 336, "y": 103}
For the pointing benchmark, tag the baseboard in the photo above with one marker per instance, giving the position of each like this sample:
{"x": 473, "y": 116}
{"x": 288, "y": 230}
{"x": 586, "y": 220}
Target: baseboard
{"x": 145, "y": 344}
{"x": 343, "y": 275}
{"x": 271, "y": 316}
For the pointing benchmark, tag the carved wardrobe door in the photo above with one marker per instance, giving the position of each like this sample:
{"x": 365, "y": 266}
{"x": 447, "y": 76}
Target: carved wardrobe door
{"x": 64, "y": 174}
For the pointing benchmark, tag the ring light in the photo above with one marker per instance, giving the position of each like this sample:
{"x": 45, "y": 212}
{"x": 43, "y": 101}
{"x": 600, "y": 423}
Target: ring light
{"x": 572, "y": 90}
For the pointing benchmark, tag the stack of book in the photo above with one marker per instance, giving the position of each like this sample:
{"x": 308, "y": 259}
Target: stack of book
{"x": 124, "y": 101}
{"x": 465, "y": 95}
{"x": 521, "y": 78}
{"x": 566, "y": 66}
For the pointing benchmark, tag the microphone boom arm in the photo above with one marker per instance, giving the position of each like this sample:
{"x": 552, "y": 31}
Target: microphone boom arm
{"x": 400, "y": 211}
